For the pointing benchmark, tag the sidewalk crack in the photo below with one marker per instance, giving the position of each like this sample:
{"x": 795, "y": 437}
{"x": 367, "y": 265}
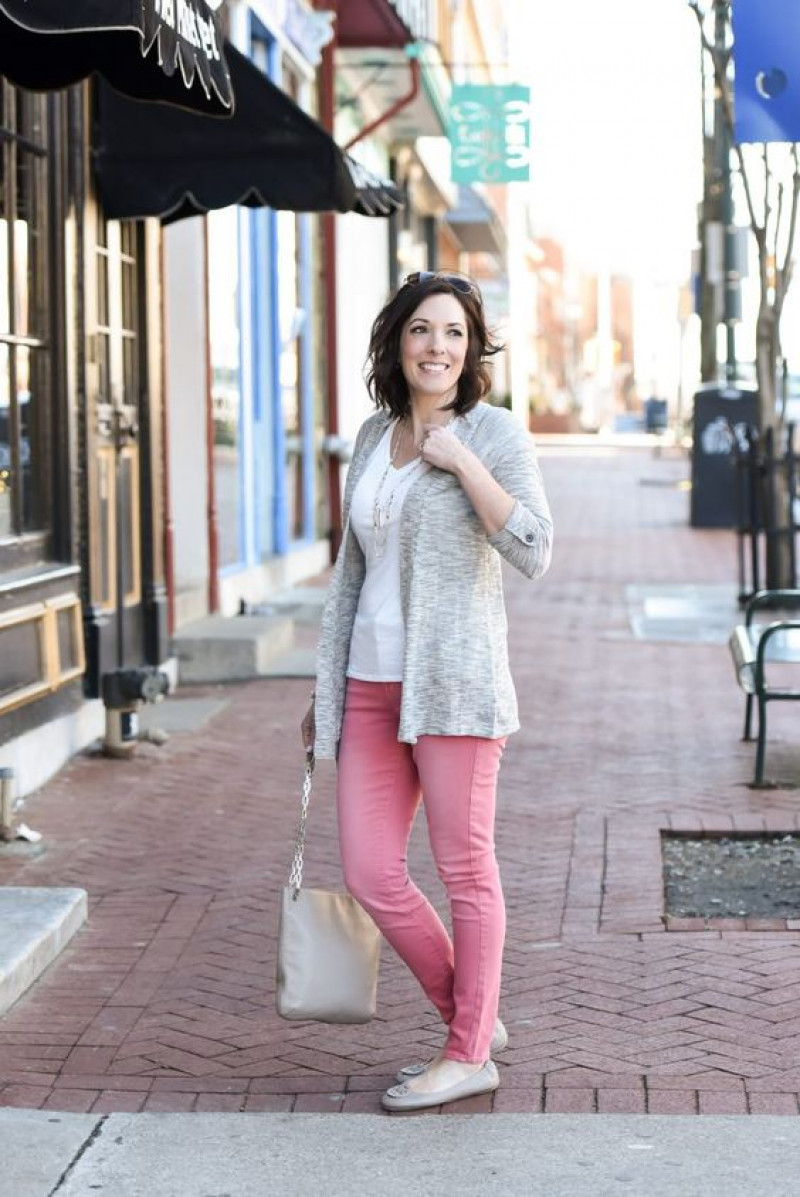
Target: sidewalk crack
{"x": 96, "y": 1132}
{"x": 603, "y": 877}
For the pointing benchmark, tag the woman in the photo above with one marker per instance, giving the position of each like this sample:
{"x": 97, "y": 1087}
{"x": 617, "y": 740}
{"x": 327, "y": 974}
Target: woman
{"x": 414, "y": 695}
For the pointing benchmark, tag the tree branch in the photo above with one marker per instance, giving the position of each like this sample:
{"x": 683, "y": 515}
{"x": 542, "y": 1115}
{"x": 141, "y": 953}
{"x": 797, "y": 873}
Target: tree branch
{"x": 767, "y": 181}
{"x": 775, "y": 241}
{"x": 786, "y": 268}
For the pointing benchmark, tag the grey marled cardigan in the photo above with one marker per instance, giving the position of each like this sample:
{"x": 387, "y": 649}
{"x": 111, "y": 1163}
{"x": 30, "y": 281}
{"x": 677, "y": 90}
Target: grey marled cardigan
{"x": 456, "y": 678}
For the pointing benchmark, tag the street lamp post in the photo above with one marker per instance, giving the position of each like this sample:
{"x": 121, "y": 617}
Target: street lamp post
{"x": 707, "y": 298}
{"x": 722, "y": 143}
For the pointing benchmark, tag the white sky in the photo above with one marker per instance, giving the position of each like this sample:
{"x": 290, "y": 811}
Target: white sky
{"x": 616, "y": 137}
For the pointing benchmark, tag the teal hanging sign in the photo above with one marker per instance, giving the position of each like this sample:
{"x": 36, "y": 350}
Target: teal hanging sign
{"x": 490, "y": 133}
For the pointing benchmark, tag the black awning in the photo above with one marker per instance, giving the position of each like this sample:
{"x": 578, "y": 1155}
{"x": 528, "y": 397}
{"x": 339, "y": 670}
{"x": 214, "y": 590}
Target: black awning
{"x": 165, "y": 50}
{"x": 374, "y": 196}
{"x": 162, "y": 162}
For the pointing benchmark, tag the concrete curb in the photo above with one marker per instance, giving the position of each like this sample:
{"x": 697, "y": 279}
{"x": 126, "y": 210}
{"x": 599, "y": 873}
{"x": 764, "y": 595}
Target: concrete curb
{"x": 35, "y": 926}
{"x": 250, "y": 1155}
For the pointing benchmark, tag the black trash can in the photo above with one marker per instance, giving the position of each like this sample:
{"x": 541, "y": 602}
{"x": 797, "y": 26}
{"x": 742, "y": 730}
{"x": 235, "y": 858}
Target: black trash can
{"x": 721, "y": 415}
{"x": 655, "y": 415}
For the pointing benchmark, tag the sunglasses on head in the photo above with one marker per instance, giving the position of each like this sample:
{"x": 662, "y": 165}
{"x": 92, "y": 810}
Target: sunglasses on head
{"x": 457, "y": 281}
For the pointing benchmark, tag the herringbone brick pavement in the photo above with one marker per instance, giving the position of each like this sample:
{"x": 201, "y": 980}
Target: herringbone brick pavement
{"x": 165, "y": 1000}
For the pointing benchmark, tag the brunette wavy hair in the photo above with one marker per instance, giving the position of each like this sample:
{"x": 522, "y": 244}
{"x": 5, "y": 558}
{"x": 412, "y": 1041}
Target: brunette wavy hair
{"x": 385, "y": 380}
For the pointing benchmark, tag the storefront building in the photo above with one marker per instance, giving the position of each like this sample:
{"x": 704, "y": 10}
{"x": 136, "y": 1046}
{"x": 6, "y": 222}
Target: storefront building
{"x": 82, "y": 582}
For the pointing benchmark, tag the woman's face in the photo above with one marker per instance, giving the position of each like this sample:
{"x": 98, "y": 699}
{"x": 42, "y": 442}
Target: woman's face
{"x": 433, "y": 346}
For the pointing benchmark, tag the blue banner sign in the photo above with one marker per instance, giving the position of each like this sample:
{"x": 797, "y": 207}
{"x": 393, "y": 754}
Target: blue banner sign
{"x": 767, "y": 80}
{"x": 490, "y": 133}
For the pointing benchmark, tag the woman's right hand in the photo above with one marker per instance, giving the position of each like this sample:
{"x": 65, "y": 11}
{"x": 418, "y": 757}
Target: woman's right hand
{"x": 308, "y": 728}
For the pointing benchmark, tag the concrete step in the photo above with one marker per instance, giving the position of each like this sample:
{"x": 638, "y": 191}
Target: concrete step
{"x": 303, "y": 603}
{"x": 297, "y": 662}
{"x": 35, "y": 925}
{"x": 236, "y": 648}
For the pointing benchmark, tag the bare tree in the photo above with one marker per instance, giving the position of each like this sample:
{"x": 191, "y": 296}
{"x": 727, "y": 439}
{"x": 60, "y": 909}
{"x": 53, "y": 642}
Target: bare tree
{"x": 773, "y": 220}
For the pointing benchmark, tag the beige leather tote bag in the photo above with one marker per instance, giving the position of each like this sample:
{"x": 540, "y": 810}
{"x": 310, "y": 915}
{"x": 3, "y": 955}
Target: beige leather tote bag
{"x": 328, "y": 946}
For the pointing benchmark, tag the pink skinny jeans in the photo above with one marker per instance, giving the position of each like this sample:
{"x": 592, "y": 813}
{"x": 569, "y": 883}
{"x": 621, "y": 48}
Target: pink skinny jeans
{"x": 380, "y": 784}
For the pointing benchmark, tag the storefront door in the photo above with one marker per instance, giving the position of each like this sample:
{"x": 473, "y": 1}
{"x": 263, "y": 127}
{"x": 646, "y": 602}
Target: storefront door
{"x": 115, "y": 388}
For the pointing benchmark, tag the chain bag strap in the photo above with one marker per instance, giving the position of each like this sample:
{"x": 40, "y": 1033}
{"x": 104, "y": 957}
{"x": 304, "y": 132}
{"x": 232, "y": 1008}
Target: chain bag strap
{"x": 296, "y": 871}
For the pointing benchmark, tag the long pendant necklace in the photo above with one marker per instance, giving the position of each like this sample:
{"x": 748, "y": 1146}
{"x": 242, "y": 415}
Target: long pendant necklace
{"x": 381, "y": 515}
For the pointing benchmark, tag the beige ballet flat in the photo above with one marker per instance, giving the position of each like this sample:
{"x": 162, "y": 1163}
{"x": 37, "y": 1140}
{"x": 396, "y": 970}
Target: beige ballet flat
{"x": 400, "y": 1097}
{"x": 499, "y": 1042}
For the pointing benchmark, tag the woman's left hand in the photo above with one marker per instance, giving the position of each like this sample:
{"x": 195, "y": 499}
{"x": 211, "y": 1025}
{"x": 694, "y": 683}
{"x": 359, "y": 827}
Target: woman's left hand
{"x": 442, "y": 448}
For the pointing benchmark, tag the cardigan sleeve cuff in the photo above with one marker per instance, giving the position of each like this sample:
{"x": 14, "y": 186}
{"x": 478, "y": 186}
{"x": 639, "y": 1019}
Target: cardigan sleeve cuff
{"x": 524, "y": 541}
{"x": 520, "y": 524}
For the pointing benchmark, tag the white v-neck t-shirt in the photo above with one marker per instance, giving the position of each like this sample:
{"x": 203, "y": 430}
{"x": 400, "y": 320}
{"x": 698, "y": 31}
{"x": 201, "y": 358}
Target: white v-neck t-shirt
{"x": 378, "y": 640}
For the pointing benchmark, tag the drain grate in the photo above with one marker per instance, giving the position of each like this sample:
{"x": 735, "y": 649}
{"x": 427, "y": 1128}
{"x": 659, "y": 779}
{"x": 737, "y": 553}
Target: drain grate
{"x": 682, "y": 613}
{"x": 732, "y": 876}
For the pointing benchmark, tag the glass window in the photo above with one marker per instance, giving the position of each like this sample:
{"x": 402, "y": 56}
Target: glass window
{"x": 21, "y": 654}
{"x": 68, "y": 630}
{"x": 23, "y": 309}
{"x": 292, "y": 325}
{"x": 130, "y": 314}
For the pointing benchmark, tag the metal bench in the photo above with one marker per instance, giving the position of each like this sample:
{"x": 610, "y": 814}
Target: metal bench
{"x": 757, "y": 646}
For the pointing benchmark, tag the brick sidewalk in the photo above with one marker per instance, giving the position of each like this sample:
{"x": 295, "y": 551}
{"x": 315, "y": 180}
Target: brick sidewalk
{"x": 165, "y": 1000}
